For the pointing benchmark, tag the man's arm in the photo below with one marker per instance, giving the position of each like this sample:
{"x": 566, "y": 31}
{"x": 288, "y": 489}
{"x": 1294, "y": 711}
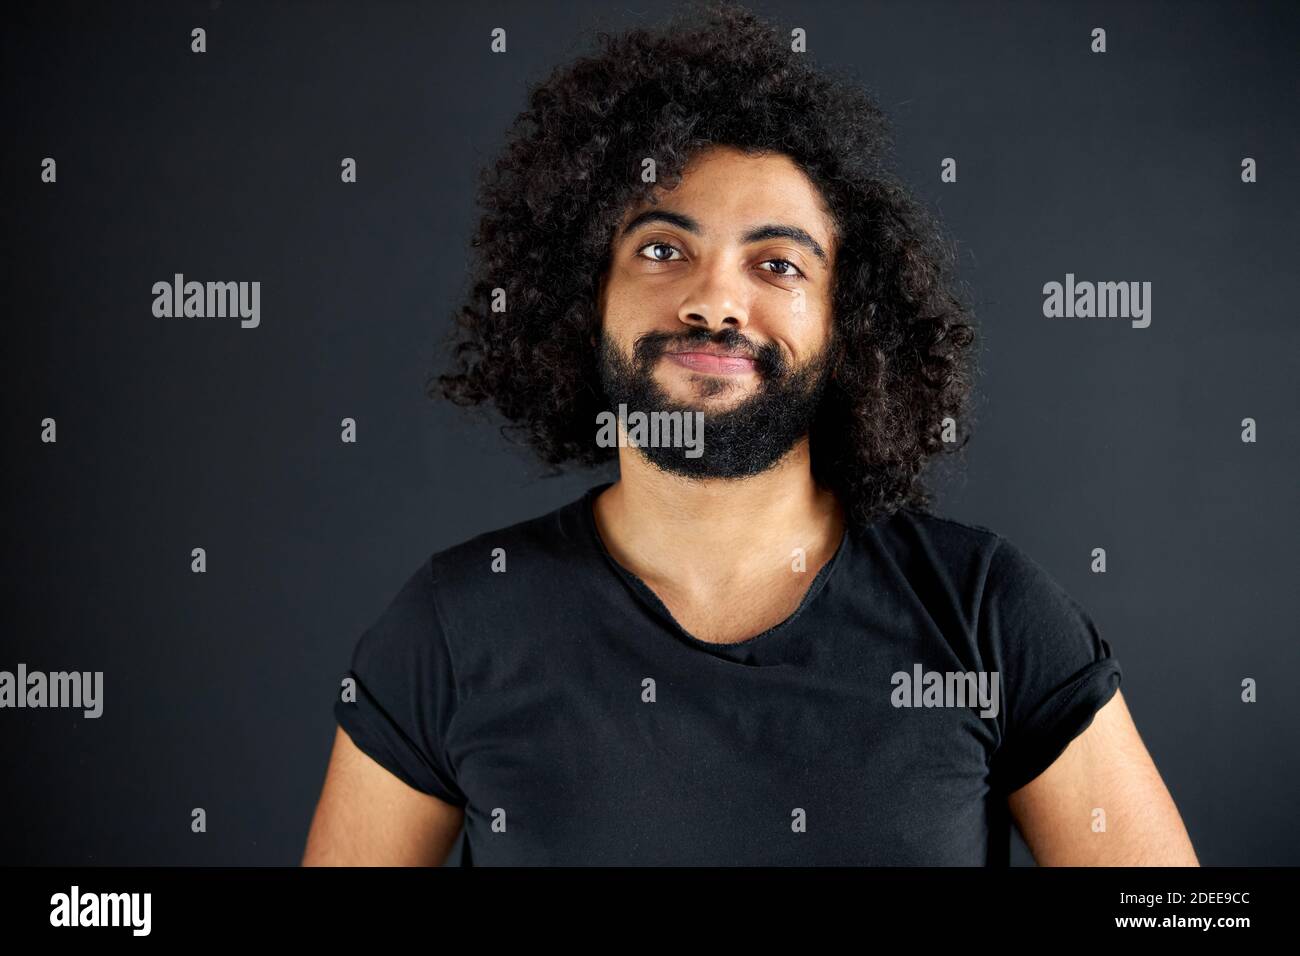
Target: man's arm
{"x": 368, "y": 817}
{"x": 1106, "y": 767}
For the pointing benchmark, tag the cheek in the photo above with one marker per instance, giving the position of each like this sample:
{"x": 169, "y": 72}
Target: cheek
{"x": 803, "y": 321}
{"x": 613, "y": 298}
{"x": 801, "y": 305}
{"x": 630, "y": 306}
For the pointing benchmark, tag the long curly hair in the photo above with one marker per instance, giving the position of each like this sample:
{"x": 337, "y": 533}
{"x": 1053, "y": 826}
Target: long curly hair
{"x": 571, "y": 167}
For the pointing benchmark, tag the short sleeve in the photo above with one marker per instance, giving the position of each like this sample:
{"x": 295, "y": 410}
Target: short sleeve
{"x": 1056, "y": 670}
{"x": 406, "y": 692}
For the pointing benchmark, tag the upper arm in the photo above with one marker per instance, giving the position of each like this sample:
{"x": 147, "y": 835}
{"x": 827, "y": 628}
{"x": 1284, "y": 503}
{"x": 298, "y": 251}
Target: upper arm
{"x": 366, "y": 816}
{"x": 390, "y": 796}
{"x": 1105, "y": 768}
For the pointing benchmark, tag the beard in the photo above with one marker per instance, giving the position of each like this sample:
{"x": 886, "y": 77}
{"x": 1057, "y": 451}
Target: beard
{"x": 741, "y": 441}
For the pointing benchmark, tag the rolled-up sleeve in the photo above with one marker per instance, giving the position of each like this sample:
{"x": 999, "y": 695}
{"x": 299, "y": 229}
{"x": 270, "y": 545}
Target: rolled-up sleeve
{"x": 405, "y": 692}
{"x": 1055, "y": 668}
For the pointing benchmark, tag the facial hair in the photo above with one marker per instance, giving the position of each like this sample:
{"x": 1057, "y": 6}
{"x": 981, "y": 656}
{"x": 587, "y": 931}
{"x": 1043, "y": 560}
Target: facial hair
{"x": 741, "y": 441}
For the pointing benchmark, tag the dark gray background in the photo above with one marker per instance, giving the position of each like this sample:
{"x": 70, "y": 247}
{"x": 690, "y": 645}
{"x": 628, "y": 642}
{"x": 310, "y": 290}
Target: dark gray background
{"x": 176, "y": 433}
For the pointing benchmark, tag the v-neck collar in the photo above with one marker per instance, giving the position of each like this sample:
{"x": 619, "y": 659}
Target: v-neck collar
{"x": 738, "y": 650}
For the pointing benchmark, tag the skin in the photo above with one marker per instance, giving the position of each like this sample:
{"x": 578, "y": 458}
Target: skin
{"x": 667, "y": 528}
{"x": 709, "y": 548}
{"x": 366, "y": 816}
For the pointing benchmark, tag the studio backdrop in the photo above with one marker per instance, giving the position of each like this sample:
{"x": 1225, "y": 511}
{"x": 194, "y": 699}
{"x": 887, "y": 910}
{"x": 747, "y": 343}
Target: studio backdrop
{"x": 204, "y": 511}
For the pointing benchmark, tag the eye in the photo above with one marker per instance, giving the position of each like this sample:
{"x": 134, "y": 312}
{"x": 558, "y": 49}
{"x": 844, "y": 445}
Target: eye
{"x": 786, "y": 269}
{"x": 656, "y": 245}
{"x": 796, "y": 274}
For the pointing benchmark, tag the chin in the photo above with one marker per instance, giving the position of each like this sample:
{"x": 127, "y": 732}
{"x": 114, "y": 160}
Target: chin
{"x": 708, "y": 394}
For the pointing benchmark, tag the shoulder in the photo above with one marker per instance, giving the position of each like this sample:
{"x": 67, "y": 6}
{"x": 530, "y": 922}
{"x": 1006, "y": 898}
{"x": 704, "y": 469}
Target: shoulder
{"x": 478, "y": 564}
{"x": 468, "y": 598}
{"x": 528, "y": 572}
{"x": 522, "y": 549}
{"x": 928, "y": 550}
{"x": 981, "y": 577}
{"x": 987, "y": 560}
{"x": 957, "y": 537}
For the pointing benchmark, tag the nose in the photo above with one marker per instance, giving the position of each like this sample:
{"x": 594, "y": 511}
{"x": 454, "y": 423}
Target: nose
{"x": 716, "y": 301}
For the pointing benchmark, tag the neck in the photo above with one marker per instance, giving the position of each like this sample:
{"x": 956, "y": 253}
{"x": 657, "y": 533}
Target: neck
{"x": 704, "y": 536}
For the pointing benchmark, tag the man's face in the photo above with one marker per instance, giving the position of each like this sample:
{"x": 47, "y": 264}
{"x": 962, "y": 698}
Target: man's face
{"x": 718, "y": 300}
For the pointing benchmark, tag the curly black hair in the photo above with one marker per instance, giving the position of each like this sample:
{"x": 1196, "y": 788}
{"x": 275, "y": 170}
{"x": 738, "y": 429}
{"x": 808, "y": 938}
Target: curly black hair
{"x": 571, "y": 168}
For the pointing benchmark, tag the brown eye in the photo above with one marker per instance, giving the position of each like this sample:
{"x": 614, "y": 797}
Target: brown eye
{"x": 796, "y": 274}
{"x": 656, "y": 245}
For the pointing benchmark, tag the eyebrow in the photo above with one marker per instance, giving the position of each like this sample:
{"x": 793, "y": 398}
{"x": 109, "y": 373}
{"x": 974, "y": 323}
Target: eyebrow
{"x": 757, "y": 234}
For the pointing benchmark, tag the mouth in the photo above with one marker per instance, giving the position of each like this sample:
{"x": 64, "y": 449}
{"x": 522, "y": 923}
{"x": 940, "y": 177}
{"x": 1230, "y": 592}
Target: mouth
{"x": 711, "y": 363}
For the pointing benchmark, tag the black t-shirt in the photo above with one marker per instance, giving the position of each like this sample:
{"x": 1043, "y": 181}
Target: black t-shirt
{"x": 577, "y": 723}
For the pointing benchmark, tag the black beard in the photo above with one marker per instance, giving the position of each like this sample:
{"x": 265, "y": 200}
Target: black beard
{"x": 741, "y": 441}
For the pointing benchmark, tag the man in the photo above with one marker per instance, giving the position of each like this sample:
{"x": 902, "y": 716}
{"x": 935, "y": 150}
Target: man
{"x": 756, "y": 647}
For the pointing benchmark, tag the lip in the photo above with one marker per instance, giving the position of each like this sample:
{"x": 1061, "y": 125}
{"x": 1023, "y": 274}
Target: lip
{"x": 712, "y": 364}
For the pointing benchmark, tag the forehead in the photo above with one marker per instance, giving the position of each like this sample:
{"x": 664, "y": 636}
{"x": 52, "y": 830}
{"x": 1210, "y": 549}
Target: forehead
{"x": 724, "y": 186}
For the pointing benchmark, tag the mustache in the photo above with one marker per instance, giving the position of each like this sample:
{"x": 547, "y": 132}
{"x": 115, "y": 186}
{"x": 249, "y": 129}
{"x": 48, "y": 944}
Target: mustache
{"x": 768, "y": 360}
